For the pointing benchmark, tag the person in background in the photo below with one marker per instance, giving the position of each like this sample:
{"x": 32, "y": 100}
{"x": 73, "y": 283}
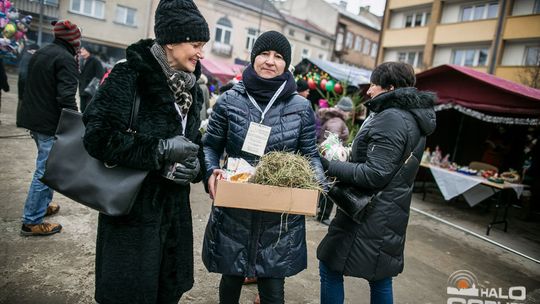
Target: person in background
{"x": 240, "y": 243}
{"x": 91, "y": 68}
{"x": 302, "y": 88}
{"x": 202, "y": 82}
{"x": 51, "y": 85}
{"x": 384, "y": 159}
{"x": 4, "y": 85}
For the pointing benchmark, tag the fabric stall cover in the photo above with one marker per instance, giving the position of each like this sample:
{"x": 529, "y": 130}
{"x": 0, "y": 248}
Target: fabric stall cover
{"x": 221, "y": 71}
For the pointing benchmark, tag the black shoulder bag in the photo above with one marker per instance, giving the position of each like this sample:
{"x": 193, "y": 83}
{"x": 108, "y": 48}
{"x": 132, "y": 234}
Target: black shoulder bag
{"x": 71, "y": 171}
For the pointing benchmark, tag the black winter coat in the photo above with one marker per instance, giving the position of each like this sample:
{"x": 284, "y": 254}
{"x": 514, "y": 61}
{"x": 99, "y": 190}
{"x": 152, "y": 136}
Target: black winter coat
{"x": 392, "y": 137}
{"x": 147, "y": 255}
{"x": 252, "y": 243}
{"x": 90, "y": 69}
{"x": 51, "y": 84}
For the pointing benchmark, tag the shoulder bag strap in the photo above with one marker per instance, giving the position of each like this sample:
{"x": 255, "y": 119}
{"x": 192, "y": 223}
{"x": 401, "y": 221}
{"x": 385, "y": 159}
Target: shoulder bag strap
{"x": 134, "y": 112}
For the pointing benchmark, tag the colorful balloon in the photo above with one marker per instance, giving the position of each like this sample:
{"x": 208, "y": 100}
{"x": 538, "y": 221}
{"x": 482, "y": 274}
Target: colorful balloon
{"x": 330, "y": 85}
{"x": 317, "y": 78}
{"x": 323, "y": 84}
{"x": 311, "y": 84}
{"x": 338, "y": 88}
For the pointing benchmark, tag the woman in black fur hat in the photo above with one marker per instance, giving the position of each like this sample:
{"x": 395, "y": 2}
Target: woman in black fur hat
{"x": 147, "y": 255}
{"x": 242, "y": 243}
{"x": 384, "y": 160}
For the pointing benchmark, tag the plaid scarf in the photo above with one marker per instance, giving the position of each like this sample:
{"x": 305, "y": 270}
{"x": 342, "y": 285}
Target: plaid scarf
{"x": 179, "y": 82}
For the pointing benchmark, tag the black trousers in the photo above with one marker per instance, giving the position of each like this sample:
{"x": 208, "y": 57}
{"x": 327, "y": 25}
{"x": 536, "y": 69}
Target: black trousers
{"x": 271, "y": 290}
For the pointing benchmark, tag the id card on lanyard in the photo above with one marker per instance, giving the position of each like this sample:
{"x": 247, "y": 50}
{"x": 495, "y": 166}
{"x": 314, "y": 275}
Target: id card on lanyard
{"x": 258, "y": 134}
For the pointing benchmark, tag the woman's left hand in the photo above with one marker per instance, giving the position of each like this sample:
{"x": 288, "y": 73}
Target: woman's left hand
{"x": 212, "y": 182}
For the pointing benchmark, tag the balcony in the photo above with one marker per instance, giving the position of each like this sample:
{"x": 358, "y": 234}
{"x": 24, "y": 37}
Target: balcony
{"x": 222, "y": 49}
{"x": 405, "y": 37}
{"x": 50, "y": 9}
{"x": 464, "y": 32}
{"x": 522, "y": 27}
{"x": 395, "y": 4}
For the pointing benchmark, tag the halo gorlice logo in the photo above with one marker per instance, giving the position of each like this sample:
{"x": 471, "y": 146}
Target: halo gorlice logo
{"x": 463, "y": 289}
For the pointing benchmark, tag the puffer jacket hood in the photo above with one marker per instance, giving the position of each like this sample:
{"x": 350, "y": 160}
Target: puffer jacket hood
{"x": 418, "y": 103}
{"x": 328, "y": 113}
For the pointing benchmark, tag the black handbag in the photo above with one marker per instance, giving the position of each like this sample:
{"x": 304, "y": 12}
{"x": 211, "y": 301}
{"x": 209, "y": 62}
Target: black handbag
{"x": 354, "y": 203}
{"x": 71, "y": 171}
{"x": 92, "y": 87}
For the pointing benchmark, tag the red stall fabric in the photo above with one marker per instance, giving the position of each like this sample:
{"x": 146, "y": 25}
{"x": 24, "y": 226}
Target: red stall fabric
{"x": 221, "y": 71}
{"x": 480, "y": 91}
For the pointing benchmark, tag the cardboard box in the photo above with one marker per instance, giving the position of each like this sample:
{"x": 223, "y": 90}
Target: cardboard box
{"x": 266, "y": 198}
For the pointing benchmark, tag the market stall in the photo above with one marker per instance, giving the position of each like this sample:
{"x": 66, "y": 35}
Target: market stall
{"x": 220, "y": 71}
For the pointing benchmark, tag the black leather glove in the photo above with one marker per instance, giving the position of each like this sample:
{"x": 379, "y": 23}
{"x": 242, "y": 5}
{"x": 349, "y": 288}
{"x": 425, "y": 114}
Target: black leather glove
{"x": 325, "y": 163}
{"x": 177, "y": 149}
{"x": 187, "y": 172}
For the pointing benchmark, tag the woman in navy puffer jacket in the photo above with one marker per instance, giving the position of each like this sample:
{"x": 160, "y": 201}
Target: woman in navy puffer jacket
{"x": 242, "y": 243}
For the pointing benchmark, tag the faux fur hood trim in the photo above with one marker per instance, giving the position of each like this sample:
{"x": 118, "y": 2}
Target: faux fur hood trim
{"x": 402, "y": 98}
{"x": 328, "y": 113}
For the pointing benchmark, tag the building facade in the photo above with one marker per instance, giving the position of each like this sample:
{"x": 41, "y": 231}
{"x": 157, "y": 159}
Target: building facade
{"x": 499, "y": 37}
{"x": 108, "y": 27}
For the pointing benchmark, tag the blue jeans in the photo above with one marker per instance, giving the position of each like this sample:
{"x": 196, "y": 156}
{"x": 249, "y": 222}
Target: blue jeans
{"x": 39, "y": 195}
{"x": 332, "y": 291}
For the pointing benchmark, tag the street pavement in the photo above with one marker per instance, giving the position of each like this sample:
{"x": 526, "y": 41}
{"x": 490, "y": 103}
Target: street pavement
{"x": 60, "y": 268}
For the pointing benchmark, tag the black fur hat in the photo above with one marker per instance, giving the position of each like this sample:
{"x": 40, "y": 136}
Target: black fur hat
{"x": 272, "y": 41}
{"x": 179, "y": 21}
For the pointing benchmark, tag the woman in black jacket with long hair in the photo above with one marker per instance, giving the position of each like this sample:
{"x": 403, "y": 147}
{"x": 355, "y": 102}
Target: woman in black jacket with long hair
{"x": 384, "y": 160}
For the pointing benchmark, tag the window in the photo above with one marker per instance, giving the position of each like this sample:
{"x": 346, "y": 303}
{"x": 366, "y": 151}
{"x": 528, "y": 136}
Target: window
{"x": 532, "y": 56}
{"x": 51, "y": 2}
{"x": 322, "y": 56}
{"x": 413, "y": 58}
{"x": 251, "y": 37}
{"x": 223, "y": 31}
{"x": 536, "y": 9}
{"x": 367, "y": 46}
{"x": 323, "y": 42}
{"x": 125, "y": 15}
{"x": 417, "y": 19}
{"x": 349, "y": 40}
{"x": 291, "y": 32}
{"x": 339, "y": 39}
{"x": 470, "y": 57}
{"x": 374, "y": 48}
{"x": 308, "y": 38}
{"x": 92, "y": 8}
{"x": 480, "y": 11}
{"x": 358, "y": 43}
{"x": 305, "y": 53}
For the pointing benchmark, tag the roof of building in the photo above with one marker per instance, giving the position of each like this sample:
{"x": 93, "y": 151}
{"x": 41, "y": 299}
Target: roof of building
{"x": 257, "y": 5}
{"x": 480, "y": 91}
{"x": 306, "y": 25}
{"x": 376, "y": 25}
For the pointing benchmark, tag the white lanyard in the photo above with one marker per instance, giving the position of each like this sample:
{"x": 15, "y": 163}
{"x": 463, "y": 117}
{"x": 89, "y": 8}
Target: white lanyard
{"x": 270, "y": 103}
{"x": 183, "y": 117}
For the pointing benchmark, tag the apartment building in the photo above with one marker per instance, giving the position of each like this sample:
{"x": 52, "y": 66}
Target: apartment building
{"x": 108, "y": 27}
{"x": 499, "y": 37}
{"x": 236, "y": 24}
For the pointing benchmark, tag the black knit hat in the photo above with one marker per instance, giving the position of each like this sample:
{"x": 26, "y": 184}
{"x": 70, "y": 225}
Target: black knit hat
{"x": 272, "y": 41}
{"x": 179, "y": 21}
{"x": 301, "y": 85}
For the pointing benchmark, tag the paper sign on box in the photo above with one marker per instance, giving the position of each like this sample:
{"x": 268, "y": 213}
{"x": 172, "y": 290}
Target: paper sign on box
{"x": 266, "y": 198}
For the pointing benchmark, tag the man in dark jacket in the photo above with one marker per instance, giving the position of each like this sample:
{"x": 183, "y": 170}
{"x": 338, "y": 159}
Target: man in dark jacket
{"x": 91, "y": 68}
{"x": 51, "y": 85}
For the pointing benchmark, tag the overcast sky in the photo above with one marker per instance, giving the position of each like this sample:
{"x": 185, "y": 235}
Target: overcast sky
{"x": 376, "y": 6}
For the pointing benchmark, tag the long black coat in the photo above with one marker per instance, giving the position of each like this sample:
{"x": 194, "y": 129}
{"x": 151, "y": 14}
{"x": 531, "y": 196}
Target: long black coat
{"x": 374, "y": 249}
{"x": 91, "y": 68}
{"x": 147, "y": 255}
{"x": 51, "y": 84}
{"x": 252, "y": 243}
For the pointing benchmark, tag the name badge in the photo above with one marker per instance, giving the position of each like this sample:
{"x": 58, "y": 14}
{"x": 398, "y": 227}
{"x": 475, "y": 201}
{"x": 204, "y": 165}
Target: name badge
{"x": 256, "y": 139}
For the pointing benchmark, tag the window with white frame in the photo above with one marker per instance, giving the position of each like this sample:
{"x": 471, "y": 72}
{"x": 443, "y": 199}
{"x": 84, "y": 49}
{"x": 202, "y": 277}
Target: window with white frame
{"x": 532, "y": 56}
{"x": 250, "y": 38}
{"x": 470, "y": 57}
{"x": 92, "y": 8}
{"x": 413, "y": 58}
{"x": 349, "y": 40}
{"x": 374, "y": 48}
{"x": 223, "y": 31}
{"x": 339, "y": 39}
{"x": 322, "y": 56}
{"x": 367, "y": 46}
{"x": 125, "y": 15}
{"x": 305, "y": 53}
{"x": 417, "y": 19}
{"x": 479, "y": 11}
{"x": 358, "y": 43}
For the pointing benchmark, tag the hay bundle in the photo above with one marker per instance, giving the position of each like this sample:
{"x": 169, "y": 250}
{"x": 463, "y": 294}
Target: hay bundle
{"x": 284, "y": 169}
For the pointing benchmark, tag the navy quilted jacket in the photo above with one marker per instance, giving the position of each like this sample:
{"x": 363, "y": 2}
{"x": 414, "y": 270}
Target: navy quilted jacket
{"x": 252, "y": 243}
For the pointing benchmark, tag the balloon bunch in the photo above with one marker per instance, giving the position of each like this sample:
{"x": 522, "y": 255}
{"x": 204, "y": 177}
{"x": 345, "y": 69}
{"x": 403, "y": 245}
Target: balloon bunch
{"x": 321, "y": 80}
{"x": 13, "y": 30}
